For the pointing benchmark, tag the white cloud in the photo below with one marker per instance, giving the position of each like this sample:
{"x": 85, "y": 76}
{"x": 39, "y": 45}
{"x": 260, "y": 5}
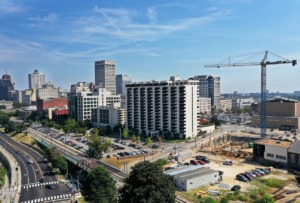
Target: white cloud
{"x": 7, "y": 7}
{"x": 152, "y": 15}
{"x": 38, "y": 21}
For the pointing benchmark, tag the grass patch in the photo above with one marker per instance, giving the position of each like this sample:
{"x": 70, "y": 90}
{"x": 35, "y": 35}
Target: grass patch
{"x": 21, "y": 137}
{"x": 174, "y": 141}
{"x": 191, "y": 194}
{"x": 2, "y": 176}
{"x": 2, "y": 130}
{"x": 272, "y": 182}
{"x": 120, "y": 163}
{"x": 81, "y": 200}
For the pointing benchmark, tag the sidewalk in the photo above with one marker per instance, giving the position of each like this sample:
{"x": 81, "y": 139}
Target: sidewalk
{"x": 11, "y": 190}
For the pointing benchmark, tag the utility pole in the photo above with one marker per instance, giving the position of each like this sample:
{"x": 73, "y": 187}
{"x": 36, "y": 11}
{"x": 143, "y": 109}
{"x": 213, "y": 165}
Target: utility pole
{"x": 120, "y": 134}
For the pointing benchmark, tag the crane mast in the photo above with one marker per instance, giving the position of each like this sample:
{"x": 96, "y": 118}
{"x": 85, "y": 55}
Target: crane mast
{"x": 263, "y": 95}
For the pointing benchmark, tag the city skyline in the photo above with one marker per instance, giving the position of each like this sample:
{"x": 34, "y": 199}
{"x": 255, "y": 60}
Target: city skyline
{"x": 149, "y": 40}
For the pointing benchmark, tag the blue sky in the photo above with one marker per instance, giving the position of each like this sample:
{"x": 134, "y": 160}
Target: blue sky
{"x": 150, "y": 39}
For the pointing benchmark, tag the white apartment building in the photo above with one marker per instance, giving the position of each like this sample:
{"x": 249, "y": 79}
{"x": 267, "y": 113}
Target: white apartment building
{"x": 226, "y": 104}
{"x": 241, "y": 103}
{"x": 36, "y": 80}
{"x": 7, "y": 104}
{"x": 204, "y": 105}
{"x": 109, "y": 115}
{"x": 168, "y": 106}
{"x": 80, "y": 87}
{"x": 105, "y": 76}
{"x": 47, "y": 91}
{"x": 86, "y": 101}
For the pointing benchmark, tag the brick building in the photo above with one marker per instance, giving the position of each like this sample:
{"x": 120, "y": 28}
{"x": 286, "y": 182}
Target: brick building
{"x": 282, "y": 113}
{"x": 43, "y": 104}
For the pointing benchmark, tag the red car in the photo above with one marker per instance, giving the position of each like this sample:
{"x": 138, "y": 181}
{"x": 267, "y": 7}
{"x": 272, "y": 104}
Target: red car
{"x": 194, "y": 162}
{"x": 201, "y": 162}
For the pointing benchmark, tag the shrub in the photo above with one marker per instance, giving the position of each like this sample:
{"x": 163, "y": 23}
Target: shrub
{"x": 224, "y": 200}
{"x": 272, "y": 182}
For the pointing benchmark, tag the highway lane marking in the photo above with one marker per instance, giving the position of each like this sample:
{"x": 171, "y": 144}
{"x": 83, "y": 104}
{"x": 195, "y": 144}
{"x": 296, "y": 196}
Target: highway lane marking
{"x": 38, "y": 184}
{"x": 19, "y": 157}
{"x": 20, "y": 149}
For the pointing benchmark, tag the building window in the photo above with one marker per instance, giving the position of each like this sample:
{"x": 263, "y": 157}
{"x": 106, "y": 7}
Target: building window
{"x": 271, "y": 155}
{"x": 293, "y": 158}
{"x": 280, "y": 157}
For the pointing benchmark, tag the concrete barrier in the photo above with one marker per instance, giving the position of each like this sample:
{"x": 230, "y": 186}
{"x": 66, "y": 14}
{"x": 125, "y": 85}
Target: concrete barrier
{"x": 12, "y": 192}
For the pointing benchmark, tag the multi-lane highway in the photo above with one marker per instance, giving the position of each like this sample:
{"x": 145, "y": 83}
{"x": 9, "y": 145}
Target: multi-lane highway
{"x": 34, "y": 168}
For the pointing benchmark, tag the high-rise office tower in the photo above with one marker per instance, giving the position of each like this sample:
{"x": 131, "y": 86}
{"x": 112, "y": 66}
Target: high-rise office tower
{"x": 6, "y": 88}
{"x": 105, "y": 76}
{"x": 36, "y": 80}
{"x": 209, "y": 86}
{"x": 121, "y": 81}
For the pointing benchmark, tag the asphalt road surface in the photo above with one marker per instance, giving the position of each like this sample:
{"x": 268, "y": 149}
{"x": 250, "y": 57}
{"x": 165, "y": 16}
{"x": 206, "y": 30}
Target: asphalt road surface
{"x": 32, "y": 190}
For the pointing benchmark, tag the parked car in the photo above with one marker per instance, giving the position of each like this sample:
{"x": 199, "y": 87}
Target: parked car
{"x": 194, "y": 162}
{"x": 251, "y": 174}
{"x": 260, "y": 171}
{"x": 292, "y": 171}
{"x": 241, "y": 178}
{"x": 228, "y": 162}
{"x": 267, "y": 171}
{"x": 256, "y": 173}
{"x": 203, "y": 158}
{"x": 201, "y": 162}
{"x": 236, "y": 188}
{"x": 221, "y": 173}
{"x": 249, "y": 177}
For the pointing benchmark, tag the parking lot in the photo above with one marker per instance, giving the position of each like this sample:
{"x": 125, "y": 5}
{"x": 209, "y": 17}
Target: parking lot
{"x": 119, "y": 148}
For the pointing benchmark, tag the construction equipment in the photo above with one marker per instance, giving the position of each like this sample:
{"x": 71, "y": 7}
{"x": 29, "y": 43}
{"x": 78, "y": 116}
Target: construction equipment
{"x": 263, "y": 94}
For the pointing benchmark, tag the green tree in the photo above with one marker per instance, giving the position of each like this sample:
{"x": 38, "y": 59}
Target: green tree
{"x": 160, "y": 140}
{"x": 265, "y": 199}
{"x": 133, "y": 138}
{"x": 21, "y": 127}
{"x": 60, "y": 163}
{"x": 97, "y": 147}
{"x": 161, "y": 162}
{"x": 70, "y": 125}
{"x": 10, "y": 127}
{"x": 17, "y": 105}
{"x": 215, "y": 120}
{"x": 81, "y": 131}
{"x": 108, "y": 130}
{"x": 147, "y": 183}
{"x": 125, "y": 134}
{"x": 4, "y": 119}
{"x": 94, "y": 132}
{"x": 99, "y": 186}
{"x": 138, "y": 139}
{"x": 148, "y": 141}
{"x": 51, "y": 153}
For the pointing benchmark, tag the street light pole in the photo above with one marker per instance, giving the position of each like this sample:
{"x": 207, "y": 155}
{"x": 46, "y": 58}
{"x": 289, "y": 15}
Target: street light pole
{"x": 120, "y": 134}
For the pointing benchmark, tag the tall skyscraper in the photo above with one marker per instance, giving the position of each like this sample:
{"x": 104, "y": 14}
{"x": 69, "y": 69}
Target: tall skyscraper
{"x": 105, "y": 75}
{"x": 6, "y": 88}
{"x": 209, "y": 86}
{"x": 121, "y": 82}
{"x": 36, "y": 80}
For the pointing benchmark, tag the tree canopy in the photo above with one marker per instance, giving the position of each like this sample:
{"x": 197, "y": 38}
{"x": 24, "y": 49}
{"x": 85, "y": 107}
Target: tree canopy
{"x": 97, "y": 146}
{"x": 100, "y": 186}
{"x": 147, "y": 183}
